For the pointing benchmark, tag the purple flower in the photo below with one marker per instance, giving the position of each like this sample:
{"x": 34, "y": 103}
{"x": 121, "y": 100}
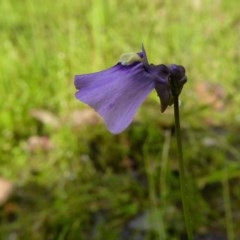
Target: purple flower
{"x": 116, "y": 93}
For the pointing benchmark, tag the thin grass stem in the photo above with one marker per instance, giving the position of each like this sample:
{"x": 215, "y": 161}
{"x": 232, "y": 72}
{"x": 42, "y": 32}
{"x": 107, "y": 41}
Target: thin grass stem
{"x": 228, "y": 207}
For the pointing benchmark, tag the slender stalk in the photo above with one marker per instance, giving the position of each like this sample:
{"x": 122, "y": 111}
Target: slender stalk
{"x": 163, "y": 179}
{"x": 155, "y": 214}
{"x": 183, "y": 182}
{"x": 228, "y": 208}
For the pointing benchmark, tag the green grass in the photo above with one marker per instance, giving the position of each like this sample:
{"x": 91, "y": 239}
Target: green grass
{"x": 90, "y": 184}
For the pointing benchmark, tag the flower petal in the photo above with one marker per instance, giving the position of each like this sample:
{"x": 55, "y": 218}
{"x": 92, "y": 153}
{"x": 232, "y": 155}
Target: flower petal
{"x": 116, "y": 93}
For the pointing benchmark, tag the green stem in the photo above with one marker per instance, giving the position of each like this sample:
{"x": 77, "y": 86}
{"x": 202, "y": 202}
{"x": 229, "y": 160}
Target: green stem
{"x": 228, "y": 208}
{"x": 183, "y": 182}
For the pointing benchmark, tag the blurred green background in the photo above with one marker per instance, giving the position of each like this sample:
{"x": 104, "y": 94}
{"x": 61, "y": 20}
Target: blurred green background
{"x": 69, "y": 178}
